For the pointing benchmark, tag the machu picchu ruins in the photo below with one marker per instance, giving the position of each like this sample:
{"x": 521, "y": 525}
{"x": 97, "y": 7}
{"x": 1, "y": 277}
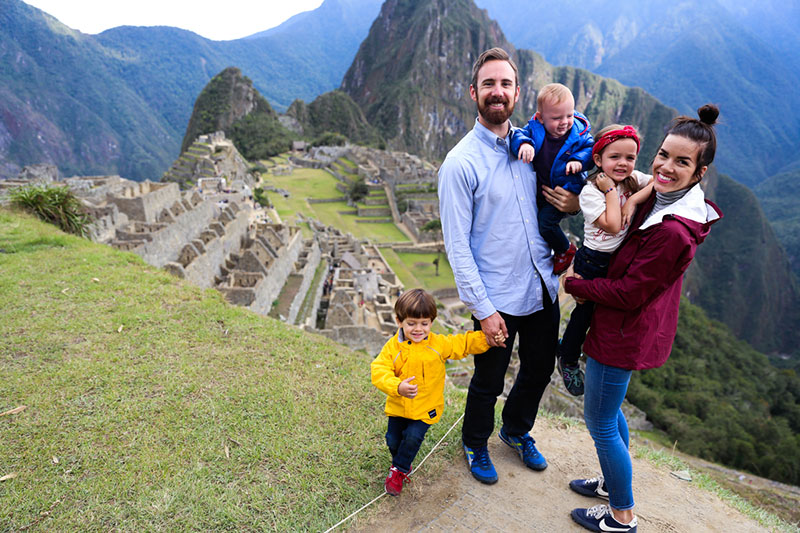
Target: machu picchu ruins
{"x": 200, "y": 222}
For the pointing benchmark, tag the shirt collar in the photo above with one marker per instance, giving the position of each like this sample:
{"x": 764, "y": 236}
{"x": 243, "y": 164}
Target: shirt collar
{"x": 487, "y": 136}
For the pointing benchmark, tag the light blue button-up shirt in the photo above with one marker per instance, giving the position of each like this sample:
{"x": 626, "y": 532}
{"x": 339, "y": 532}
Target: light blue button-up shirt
{"x": 487, "y": 204}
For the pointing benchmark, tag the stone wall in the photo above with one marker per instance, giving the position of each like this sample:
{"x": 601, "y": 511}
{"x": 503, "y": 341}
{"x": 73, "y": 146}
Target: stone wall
{"x": 270, "y": 287}
{"x": 146, "y": 201}
{"x": 166, "y": 244}
{"x": 357, "y": 338}
{"x": 204, "y": 268}
{"x": 309, "y": 269}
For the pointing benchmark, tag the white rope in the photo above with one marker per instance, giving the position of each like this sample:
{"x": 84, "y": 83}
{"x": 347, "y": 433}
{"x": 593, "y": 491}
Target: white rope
{"x": 409, "y": 475}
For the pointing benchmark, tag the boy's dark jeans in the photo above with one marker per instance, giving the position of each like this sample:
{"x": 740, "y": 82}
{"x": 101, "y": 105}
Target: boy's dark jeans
{"x": 589, "y": 264}
{"x": 549, "y": 218}
{"x": 404, "y": 437}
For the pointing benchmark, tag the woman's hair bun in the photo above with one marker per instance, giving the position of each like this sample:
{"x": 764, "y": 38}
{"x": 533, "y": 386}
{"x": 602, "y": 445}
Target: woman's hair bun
{"x": 708, "y": 114}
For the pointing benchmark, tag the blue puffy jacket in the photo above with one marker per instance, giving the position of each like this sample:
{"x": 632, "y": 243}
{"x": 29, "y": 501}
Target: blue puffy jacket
{"x": 577, "y": 147}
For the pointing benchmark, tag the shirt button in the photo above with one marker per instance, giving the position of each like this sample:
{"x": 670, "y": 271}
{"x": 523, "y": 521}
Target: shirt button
{"x": 526, "y": 220}
{"x": 521, "y": 197}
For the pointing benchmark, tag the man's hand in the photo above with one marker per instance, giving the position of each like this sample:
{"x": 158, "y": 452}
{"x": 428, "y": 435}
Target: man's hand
{"x": 493, "y": 326}
{"x": 561, "y": 199}
{"x": 573, "y": 167}
{"x": 406, "y": 388}
{"x": 526, "y": 153}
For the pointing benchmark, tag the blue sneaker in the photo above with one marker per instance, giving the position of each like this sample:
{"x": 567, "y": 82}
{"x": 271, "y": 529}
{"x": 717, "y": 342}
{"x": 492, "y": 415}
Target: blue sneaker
{"x": 525, "y": 447}
{"x": 480, "y": 465}
{"x": 599, "y": 518}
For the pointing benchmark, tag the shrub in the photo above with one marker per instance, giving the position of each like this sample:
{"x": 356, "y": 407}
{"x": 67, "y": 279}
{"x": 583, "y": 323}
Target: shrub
{"x": 56, "y": 205}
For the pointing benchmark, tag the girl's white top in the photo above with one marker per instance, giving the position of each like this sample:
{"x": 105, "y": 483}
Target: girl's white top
{"x": 593, "y": 204}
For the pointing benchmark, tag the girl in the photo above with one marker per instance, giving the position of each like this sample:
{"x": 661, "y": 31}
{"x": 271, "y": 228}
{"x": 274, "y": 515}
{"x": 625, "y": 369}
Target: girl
{"x": 607, "y": 202}
{"x": 637, "y": 308}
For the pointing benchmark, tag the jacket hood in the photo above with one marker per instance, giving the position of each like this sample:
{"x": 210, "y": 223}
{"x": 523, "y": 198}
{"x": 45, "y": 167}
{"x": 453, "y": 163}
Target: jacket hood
{"x": 693, "y": 211}
{"x": 581, "y": 124}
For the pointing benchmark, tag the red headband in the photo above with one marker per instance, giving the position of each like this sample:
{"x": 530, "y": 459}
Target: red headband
{"x": 628, "y": 132}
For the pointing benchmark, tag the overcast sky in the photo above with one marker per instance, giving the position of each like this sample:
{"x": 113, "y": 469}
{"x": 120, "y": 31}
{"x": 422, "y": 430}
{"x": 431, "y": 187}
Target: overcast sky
{"x": 214, "y": 19}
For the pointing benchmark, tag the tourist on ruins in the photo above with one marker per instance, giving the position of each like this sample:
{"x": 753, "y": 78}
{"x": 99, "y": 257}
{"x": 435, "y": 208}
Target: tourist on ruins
{"x": 502, "y": 266}
{"x": 558, "y": 141}
{"x": 636, "y": 314}
{"x": 410, "y": 370}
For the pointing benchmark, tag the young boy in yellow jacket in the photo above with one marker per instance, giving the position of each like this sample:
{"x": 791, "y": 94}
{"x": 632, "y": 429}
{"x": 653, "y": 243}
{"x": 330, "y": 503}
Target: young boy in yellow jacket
{"x": 410, "y": 370}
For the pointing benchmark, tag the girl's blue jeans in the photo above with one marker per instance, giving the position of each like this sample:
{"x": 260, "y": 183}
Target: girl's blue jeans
{"x": 404, "y": 437}
{"x": 605, "y": 388}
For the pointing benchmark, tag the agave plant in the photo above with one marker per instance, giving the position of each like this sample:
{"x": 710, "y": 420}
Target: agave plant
{"x": 54, "y": 204}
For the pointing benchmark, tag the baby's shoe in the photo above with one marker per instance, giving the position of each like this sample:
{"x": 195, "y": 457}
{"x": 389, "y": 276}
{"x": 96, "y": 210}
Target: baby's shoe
{"x": 562, "y": 261}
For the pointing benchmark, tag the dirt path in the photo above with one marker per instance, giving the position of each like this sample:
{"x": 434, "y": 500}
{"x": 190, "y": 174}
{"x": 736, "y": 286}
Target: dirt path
{"x": 524, "y": 500}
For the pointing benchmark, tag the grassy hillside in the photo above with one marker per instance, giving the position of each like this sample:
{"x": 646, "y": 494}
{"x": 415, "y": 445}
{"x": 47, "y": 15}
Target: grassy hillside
{"x": 154, "y": 405}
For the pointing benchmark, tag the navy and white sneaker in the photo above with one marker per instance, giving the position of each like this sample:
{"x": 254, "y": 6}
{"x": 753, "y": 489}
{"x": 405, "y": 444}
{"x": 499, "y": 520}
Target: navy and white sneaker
{"x": 525, "y": 447}
{"x": 480, "y": 465}
{"x": 599, "y": 518}
{"x": 594, "y": 487}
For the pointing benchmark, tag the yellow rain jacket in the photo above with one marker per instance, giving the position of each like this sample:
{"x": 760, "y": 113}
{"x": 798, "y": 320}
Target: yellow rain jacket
{"x": 400, "y": 359}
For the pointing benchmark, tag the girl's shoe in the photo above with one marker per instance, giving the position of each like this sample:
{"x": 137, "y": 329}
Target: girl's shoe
{"x": 394, "y": 481}
{"x": 573, "y": 377}
{"x": 599, "y": 518}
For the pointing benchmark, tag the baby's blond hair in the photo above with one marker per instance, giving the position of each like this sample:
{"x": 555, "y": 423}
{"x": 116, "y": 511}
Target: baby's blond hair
{"x": 552, "y": 93}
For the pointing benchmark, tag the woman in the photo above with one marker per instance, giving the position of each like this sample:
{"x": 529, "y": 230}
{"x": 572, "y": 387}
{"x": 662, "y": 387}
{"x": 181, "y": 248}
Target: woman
{"x": 636, "y": 312}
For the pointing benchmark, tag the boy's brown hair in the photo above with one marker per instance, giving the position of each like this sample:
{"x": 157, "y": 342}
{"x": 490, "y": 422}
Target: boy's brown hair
{"x": 415, "y": 303}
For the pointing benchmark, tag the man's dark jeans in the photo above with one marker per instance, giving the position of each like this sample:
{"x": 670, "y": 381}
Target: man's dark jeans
{"x": 538, "y": 339}
{"x": 589, "y": 264}
{"x": 404, "y": 437}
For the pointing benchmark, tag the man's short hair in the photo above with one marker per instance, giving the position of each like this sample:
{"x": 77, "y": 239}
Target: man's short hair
{"x": 554, "y": 94}
{"x": 415, "y": 303}
{"x": 493, "y": 54}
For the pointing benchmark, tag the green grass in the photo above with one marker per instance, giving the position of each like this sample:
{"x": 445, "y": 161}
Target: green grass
{"x": 314, "y": 183}
{"x": 417, "y": 270}
{"x": 153, "y": 405}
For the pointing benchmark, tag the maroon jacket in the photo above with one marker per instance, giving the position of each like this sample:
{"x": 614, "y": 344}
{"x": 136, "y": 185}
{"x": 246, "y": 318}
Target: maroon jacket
{"x": 636, "y": 315}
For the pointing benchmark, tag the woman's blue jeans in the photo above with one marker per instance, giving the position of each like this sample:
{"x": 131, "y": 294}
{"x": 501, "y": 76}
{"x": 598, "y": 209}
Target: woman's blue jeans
{"x": 404, "y": 437}
{"x": 605, "y": 388}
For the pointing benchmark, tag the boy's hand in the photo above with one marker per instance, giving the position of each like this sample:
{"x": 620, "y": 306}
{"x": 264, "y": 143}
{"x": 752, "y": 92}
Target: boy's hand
{"x": 573, "y": 167}
{"x": 406, "y": 388}
{"x": 526, "y": 153}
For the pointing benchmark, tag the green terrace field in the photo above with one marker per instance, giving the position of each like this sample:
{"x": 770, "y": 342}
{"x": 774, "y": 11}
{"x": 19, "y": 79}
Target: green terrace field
{"x": 418, "y": 270}
{"x": 306, "y": 183}
{"x": 148, "y": 404}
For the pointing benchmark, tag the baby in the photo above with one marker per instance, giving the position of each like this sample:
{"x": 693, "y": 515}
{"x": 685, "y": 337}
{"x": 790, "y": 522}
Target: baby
{"x": 558, "y": 141}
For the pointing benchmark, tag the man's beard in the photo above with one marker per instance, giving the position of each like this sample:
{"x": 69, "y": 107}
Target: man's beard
{"x": 495, "y": 116}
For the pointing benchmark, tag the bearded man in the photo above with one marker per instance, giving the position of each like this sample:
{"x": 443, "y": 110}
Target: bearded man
{"x": 502, "y": 266}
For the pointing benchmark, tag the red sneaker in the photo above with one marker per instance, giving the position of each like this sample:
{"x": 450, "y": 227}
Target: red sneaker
{"x": 394, "y": 481}
{"x": 562, "y": 261}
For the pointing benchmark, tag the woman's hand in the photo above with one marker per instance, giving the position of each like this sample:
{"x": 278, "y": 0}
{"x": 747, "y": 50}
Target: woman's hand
{"x": 572, "y": 274}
